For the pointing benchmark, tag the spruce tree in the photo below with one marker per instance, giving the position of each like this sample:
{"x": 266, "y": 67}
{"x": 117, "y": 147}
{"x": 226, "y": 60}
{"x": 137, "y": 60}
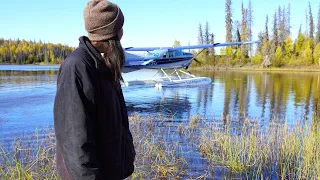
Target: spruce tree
{"x": 311, "y": 23}
{"x": 200, "y": 34}
{"x": 317, "y": 40}
{"x": 228, "y": 19}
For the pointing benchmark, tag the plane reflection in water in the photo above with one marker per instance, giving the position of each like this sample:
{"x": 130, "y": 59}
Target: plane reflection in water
{"x": 263, "y": 96}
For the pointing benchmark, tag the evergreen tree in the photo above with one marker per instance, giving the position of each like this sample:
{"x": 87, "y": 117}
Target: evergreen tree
{"x": 261, "y": 39}
{"x": 311, "y": 23}
{"x": 265, "y": 46}
{"x": 250, "y": 24}
{"x": 317, "y": 40}
{"x": 300, "y": 29}
{"x": 207, "y": 34}
{"x": 228, "y": 19}
{"x": 236, "y": 31}
{"x": 288, "y": 20}
{"x": 266, "y": 33}
{"x": 212, "y": 51}
{"x": 275, "y": 37}
{"x": 29, "y": 52}
{"x": 200, "y": 35}
{"x": 281, "y": 25}
{"x": 307, "y": 24}
{"x": 244, "y": 30}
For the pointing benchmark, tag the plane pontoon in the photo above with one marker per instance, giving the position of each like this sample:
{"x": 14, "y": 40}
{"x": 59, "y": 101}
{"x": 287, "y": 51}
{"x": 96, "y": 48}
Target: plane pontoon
{"x": 169, "y": 58}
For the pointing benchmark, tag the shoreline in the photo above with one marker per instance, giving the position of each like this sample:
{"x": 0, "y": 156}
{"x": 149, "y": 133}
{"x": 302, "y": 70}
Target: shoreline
{"x": 221, "y": 68}
{"x": 258, "y": 69}
{"x": 39, "y": 64}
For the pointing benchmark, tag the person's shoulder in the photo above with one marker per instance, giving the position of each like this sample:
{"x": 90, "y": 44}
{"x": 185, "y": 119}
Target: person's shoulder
{"x": 77, "y": 60}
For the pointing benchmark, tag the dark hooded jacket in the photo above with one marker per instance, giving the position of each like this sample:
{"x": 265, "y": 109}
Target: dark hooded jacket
{"x": 93, "y": 140}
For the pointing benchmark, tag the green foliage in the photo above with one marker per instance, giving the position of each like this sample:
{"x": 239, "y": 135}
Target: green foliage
{"x": 277, "y": 60}
{"x": 308, "y": 58}
{"x": 316, "y": 54}
{"x": 298, "y": 47}
{"x": 176, "y": 43}
{"x": 257, "y": 59}
{"x": 280, "y": 48}
{"x": 229, "y": 56}
{"x": 202, "y": 57}
{"x": 288, "y": 46}
{"x": 229, "y": 52}
{"x": 29, "y": 52}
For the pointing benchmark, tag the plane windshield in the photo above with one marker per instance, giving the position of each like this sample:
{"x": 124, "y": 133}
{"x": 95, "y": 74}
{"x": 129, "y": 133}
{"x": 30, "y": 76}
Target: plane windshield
{"x": 155, "y": 54}
{"x": 178, "y": 53}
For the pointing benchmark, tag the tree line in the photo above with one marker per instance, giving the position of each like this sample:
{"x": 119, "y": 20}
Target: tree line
{"x": 31, "y": 52}
{"x": 276, "y": 48}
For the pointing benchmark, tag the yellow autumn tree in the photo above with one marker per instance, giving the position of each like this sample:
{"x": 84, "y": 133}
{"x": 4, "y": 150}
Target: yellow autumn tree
{"x": 316, "y": 54}
{"x": 277, "y": 60}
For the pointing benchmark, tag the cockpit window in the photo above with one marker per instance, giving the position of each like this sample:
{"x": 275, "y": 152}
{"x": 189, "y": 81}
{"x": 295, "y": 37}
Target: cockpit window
{"x": 155, "y": 54}
{"x": 178, "y": 53}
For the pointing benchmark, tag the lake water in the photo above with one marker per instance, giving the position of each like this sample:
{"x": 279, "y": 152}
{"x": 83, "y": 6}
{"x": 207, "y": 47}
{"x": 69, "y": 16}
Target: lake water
{"x": 27, "y": 95}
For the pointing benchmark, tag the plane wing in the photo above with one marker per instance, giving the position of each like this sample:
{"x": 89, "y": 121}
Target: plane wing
{"x": 203, "y": 46}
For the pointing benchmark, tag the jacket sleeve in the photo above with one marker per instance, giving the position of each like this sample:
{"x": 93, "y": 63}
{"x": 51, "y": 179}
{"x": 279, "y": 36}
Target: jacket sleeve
{"x": 74, "y": 116}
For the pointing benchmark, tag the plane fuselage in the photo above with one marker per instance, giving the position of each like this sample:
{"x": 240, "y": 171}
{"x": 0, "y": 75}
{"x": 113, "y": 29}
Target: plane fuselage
{"x": 159, "y": 60}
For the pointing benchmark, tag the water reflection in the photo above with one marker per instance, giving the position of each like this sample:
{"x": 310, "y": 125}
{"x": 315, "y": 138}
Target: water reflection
{"x": 14, "y": 79}
{"x": 261, "y": 95}
{"x": 268, "y": 95}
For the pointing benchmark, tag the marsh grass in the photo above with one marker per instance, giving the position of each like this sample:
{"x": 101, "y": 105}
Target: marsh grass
{"x": 29, "y": 157}
{"x": 158, "y": 155}
{"x": 278, "y": 151}
{"x": 167, "y": 149}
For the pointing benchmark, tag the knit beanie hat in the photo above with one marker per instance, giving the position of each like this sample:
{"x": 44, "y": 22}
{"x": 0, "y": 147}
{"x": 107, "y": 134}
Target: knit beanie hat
{"x": 103, "y": 20}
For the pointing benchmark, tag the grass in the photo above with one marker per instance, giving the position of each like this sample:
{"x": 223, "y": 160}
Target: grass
{"x": 191, "y": 149}
{"x": 276, "y": 151}
{"x": 29, "y": 158}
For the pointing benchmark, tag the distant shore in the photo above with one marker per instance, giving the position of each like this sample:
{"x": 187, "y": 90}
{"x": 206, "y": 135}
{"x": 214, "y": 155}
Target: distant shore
{"x": 37, "y": 64}
{"x": 257, "y": 68}
{"x": 223, "y": 68}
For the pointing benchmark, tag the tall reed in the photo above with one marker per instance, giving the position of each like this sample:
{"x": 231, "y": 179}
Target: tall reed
{"x": 190, "y": 149}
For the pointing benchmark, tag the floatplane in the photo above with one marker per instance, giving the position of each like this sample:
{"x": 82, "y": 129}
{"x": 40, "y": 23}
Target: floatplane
{"x": 174, "y": 59}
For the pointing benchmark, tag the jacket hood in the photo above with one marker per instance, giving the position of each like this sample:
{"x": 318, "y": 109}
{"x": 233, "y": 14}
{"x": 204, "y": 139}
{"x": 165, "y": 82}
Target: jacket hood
{"x": 85, "y": 43}
{"x": 99, "y": 61}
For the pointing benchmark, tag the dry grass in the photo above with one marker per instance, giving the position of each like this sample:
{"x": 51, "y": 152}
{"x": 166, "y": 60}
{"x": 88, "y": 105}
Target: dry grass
{"x": 29, "y": 158}
{"x": 166, "y": 150}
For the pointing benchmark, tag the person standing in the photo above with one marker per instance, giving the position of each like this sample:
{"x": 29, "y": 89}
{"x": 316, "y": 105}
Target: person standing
{"x": 93, "y": 140}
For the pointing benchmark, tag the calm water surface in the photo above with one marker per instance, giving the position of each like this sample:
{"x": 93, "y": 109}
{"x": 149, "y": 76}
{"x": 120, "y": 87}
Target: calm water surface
{"x": 27, "y": 95}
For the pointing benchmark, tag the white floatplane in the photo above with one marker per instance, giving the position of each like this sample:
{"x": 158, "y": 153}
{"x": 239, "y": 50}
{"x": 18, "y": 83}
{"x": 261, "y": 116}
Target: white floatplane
{"x": 169, "y": 58}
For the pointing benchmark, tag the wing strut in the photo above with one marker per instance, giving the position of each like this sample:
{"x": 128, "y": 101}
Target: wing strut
{"x": 195, "y": 58}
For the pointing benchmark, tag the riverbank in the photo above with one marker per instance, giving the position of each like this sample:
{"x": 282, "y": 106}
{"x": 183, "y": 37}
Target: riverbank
{"x": 258, "y": 68}
{"x": 196, "y": 149}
